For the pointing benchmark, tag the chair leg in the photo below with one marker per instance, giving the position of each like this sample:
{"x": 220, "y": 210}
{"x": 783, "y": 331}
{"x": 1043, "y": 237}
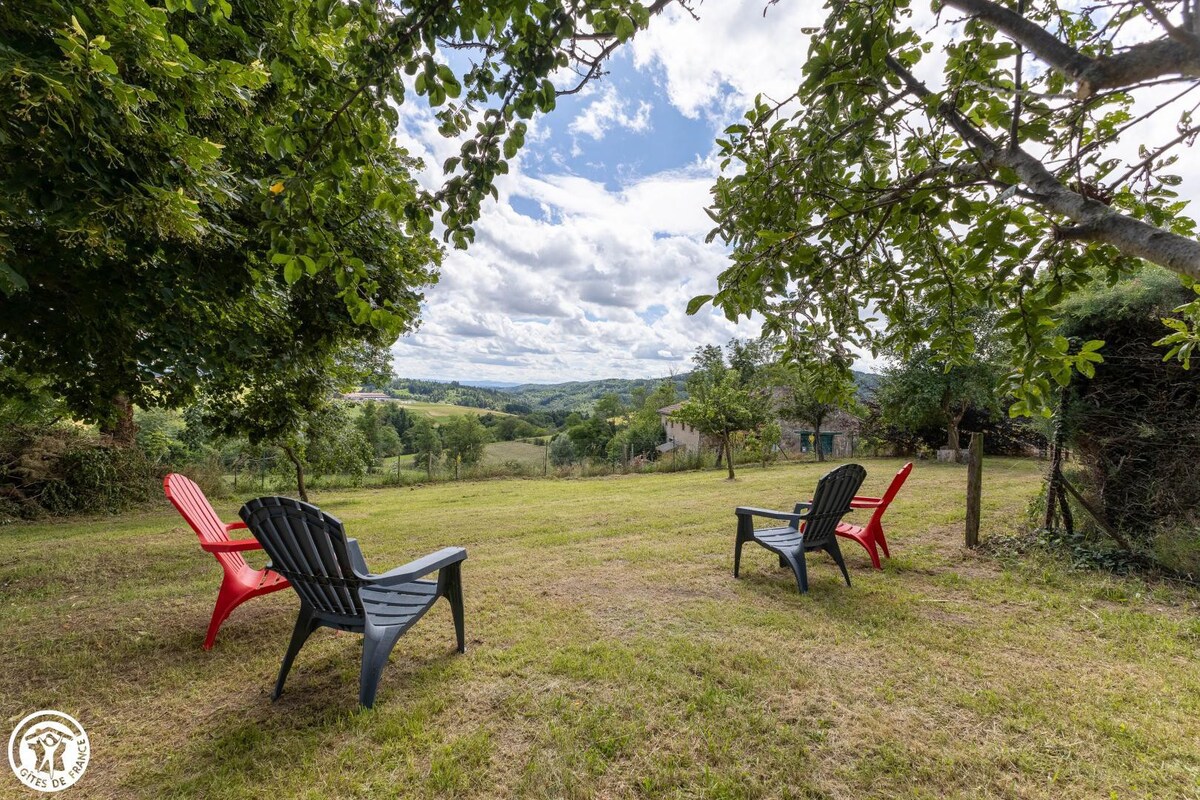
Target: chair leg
{"x": 377, "y": 646}
{"x": 882, "y": 541}
{"x": 873, "y": 552}
{"x": 783, "y": 564}
{"x": 867, "y": 544}
{"x": 305, "y": 625}
{"x": 452, "y": 575}
{"x": 795, "y": 560}
{"x": 835, "y": 551}
{"x": 229, "y": 597}
{"x": 745, "y": 532}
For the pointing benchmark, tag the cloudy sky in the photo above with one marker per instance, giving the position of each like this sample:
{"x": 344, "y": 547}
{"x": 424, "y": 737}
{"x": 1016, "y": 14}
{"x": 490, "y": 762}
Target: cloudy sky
{"x": 584, "y": 267}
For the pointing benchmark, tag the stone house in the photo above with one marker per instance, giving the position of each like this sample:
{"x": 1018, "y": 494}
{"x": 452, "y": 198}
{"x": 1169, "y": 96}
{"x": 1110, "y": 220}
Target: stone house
{"x": 839, "y": 434}
{"x": 680, "y": 436}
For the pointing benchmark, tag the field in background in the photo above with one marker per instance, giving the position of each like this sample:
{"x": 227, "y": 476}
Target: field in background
{"x": 442, "y": 411}
{"x": 529, "y": 456}
{"x": 612, "y": 654}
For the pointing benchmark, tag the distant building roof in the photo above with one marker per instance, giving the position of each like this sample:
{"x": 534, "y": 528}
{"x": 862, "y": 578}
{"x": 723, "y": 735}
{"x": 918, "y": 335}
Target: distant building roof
{"x": 668, "y": 446}
{"x": 671, "y": 409}
{"x": 361, "y": 397}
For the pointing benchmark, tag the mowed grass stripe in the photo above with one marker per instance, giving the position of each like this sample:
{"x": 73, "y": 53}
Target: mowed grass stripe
{"x": 612, "y": 654}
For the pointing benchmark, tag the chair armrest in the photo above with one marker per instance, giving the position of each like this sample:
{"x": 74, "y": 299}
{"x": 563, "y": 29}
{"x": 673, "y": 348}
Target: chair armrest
{"x": 232, "y": 546}
{"x": 866, "y": 502}
{"x": 235, "y": 526}
{"x": 419, "y": 568}
{"x": 749, "y": 511}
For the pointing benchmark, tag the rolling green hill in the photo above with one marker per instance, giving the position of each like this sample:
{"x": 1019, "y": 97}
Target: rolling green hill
{"x": 527, "y": 398}
{"x": 581, "y": 395}
{"x": 441, "y": 411}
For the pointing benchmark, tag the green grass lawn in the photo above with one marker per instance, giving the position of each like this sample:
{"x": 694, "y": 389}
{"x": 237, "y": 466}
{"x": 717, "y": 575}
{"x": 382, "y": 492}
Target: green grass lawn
{"x": 611, "y": 654}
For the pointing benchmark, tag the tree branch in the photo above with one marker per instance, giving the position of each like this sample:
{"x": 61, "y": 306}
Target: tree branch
{"x": 1141, "y": 62}
{"x": 1098, "y": 221}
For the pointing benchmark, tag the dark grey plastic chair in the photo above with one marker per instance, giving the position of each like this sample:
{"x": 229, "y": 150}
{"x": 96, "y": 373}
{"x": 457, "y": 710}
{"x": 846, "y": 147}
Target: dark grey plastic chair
{"x": 813, "y": 529}
{"x": 327, "y": 570}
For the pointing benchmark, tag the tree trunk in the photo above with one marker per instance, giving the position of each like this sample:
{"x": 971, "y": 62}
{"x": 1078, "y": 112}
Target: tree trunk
{"x": 952, "y": 438}
{"x": 122, "y": 428}
{"x": 974, "y": 490}
{"x": 720, "y": 452}
{"x": 728, "y": 453}
{"x": 817, "y": 441}
{"x": 299, "y": 465}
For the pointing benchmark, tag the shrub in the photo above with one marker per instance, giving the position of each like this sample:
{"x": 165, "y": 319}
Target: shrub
{"x": 69, "y": 469}
{"x": 562, "y": 451}
{"x": 1135, "y": 426}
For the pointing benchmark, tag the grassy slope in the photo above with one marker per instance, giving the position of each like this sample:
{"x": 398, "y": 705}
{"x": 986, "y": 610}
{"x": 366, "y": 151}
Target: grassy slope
{"x": 530, "y": 455}
{"x": 611, "y": 654}
{"x": 443, "y": 411}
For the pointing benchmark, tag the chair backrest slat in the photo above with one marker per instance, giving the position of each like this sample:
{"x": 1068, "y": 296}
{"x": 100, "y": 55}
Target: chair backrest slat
{"x": 897, "y": 482}
{"x": 308, "y": 547}
{"x": 830, "y": 503}
{"x": 890, "y": 494}
{"x": 286, "y": 556}
{"x": 193, "y": 506}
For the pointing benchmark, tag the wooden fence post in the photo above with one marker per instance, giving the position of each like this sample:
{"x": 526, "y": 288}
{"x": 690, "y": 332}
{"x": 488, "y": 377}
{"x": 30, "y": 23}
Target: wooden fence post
{"x": 974, "y": 488}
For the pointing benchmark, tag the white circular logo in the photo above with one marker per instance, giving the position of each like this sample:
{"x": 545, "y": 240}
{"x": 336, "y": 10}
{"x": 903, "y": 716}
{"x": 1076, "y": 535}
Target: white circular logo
{"x": 48, "y": 751}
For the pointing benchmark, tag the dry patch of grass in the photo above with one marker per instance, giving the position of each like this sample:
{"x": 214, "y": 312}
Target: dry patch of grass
{"x": 612, "y": 654}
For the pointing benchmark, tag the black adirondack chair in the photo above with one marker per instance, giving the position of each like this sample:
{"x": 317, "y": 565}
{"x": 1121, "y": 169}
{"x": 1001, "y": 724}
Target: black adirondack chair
{"x": 327, "y": 570}
{"x": 811, "y": 526}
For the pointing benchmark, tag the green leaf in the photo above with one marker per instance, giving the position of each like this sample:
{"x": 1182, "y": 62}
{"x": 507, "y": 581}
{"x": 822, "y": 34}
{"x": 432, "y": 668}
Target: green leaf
{"x": 293, "y": 270}
{"x": 625, "y": 29}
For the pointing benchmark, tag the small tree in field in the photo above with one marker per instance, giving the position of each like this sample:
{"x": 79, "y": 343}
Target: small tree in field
{"x": 720, "y": 402}
{"x": 562, "y": 451}
{"x": 336, "y": 445}
{"x": 426, "y": 444}
{"x": 814, "y": 395}
{"x": 925, "y": 391}
{"x": 464, "y": 439}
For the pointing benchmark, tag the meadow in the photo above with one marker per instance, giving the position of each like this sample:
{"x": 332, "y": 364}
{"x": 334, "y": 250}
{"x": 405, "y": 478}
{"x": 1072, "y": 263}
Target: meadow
{"x": 610, "y": 653}
{"x": 440, "y": 412}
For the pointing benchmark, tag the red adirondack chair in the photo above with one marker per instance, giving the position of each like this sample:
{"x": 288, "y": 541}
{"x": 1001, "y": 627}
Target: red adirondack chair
{"x": 241, "y": 581}
{"x": 871, "y": 537}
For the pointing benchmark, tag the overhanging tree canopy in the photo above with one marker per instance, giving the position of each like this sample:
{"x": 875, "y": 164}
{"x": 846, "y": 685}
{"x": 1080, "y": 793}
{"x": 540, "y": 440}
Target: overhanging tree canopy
{"x": 913, "y": 181}
{"x": 194, "y": 192}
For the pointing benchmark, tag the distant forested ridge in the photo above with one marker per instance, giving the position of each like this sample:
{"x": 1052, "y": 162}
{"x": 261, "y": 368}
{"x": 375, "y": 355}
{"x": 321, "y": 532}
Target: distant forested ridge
{"x": 578, "y": 396}
{"x": 453, "y": 393}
